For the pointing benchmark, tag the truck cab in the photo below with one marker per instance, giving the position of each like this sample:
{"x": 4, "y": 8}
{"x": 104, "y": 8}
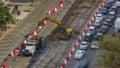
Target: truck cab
{"x": 29, "y": 48}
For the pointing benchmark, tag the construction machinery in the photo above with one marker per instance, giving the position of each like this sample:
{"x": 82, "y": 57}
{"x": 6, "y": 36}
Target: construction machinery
{"x": 30, "y": 48}
{"x": 63, "y": 30}
{"x": 32, "y": 45}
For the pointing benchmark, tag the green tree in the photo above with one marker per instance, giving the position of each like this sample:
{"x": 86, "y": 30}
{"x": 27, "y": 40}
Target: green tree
{"x": 5, "y": 16}
{"x": 111, "y": 54}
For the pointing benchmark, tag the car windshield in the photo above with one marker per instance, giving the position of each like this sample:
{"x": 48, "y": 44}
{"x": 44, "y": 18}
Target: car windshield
{"x": 104, "y": 27}
{"x": 108, "y": 20}
{"x": 84, "y": 43}
{"x": 96, "y": 21}
{"x": 99, "y": 34}
{"x": 88, "y": 34}
{"x": 91, "y": 28}
{"x": 99, "y": 15}
{"x": 112, "y": 12}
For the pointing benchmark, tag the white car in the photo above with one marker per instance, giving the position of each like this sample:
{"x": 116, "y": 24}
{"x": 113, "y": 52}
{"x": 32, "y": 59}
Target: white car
{"x": 94, "y": 45}
{"x": 79, "y": 54}
{"x": 117, "y": 3}
{"x": 84, "y": 45}
{"x": 99, "y": 17}
{"x": 91, "y": 29}
{"x": 96, "y": 23}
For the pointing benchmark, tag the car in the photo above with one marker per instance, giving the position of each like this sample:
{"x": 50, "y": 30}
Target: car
{"x": 99, "y": 17}
{"x": 96, "y": 23}
{"x": 98, "y": 36}
{"x": 88, "y": 37}
{"x": 79, "y": 54}
{"x": 83, "y": 63}
{"x": 112, "y": 14}
{"x": 84, "y": 45}
{"x": 108, "y": 22}
{"x": 104, "y": 10}
{"x": 94, "y": 45}
{"x": 91, "y": 29}
{"x": 104, "y": 29}
{"x": 114, "y": 8}
{"x": 107, "y": 4}
{"x": 117, "y": 3}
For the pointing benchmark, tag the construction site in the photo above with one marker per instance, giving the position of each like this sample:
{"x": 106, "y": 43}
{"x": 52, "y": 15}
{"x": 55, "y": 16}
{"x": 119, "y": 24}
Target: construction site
{"x": 55, "y": 46}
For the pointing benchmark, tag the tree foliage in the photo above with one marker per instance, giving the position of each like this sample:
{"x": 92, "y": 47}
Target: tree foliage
{"x": 111, "y": 55}
{"x": 5, "y": 16}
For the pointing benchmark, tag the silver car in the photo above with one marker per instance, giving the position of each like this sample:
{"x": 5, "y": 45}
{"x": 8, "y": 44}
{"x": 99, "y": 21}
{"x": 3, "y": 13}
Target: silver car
{"x": 84, "y": 45}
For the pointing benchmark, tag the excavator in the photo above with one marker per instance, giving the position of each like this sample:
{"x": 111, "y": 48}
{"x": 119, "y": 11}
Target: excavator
{"x": 65, "y": 31}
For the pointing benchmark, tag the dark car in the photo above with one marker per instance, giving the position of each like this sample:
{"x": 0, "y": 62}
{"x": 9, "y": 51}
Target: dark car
{"x": 83, "y": 63}
{"x": 112, "y": 14}
{"x": 98, "y": 36}
{"x": 104, "y": 29}
{"x": 88, "y": 37}
{"x": 114, "y": 8}
{"x": 96, "y": 24}
{"x": 108, "y": 22}
{"x": 108, "y": 4}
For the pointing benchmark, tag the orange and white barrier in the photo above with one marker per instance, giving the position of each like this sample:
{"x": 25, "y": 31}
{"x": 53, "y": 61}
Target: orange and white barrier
{"x": 4, "y": 64}
{"x": 15, "y": 53}
{"x": 51, "y": 12}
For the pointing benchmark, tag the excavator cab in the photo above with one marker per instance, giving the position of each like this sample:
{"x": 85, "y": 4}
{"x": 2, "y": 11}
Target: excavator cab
{"x": 65, "y": 30}
{"x": 68, "y": 31}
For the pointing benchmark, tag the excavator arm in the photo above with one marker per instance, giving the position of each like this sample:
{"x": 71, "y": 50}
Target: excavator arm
{"x": 50, "y": 19}
{"x": 66, "y": 31}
